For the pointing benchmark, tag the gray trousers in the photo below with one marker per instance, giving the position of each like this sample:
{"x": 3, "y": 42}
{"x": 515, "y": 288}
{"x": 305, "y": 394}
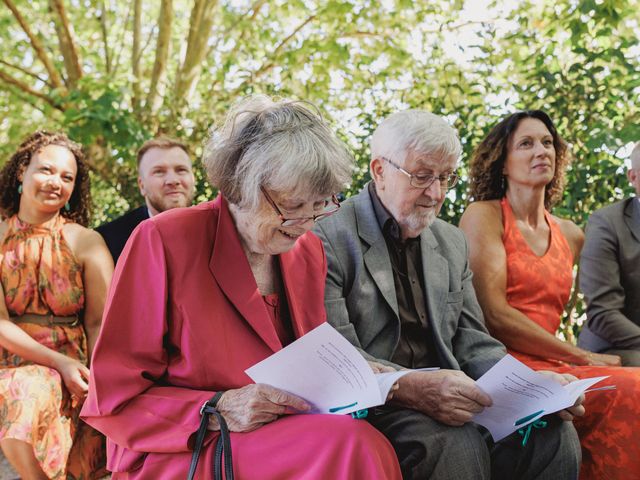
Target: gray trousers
{"x": 629, "y": 358}
{"x": 428, "y": 449}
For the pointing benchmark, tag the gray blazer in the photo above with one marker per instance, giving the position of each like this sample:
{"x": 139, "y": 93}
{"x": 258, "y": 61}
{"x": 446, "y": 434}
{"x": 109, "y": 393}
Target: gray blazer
{"x": 610, "y": 278}
{"x": 360, "y": 294}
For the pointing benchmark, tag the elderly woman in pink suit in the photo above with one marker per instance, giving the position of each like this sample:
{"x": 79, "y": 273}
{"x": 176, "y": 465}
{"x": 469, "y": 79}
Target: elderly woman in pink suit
{"x": 201, "y": 294}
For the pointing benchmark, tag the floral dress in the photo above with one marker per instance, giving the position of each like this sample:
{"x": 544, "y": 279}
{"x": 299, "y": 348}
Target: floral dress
{"x": 40, "y": 275}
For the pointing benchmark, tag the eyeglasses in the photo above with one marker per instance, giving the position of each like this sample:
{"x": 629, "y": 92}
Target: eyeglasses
{"x": 330, "y": 207}
{"x": 425, "y": 180}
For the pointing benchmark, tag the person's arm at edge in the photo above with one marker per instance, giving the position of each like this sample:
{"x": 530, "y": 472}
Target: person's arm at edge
{"x": 97, "y": 272}
{"x": 600, "y": 283}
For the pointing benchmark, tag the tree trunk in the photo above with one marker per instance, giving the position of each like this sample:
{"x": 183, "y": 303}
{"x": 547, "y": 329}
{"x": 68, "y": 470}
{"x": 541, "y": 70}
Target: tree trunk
{"x": 135, "y": 54}
{"x": 54, "y": 76}
{"x": 67, "y": 42}
{"x": 200, "y": 25}
{"x": 157, "y": 87}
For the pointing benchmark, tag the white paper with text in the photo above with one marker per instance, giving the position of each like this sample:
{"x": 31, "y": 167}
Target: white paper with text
{"x": 522, "y": 396}
{"x": 323, "y": 368}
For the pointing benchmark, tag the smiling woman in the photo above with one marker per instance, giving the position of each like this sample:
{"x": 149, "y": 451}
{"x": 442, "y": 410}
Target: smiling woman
{"x": 226, "y": 284}
{"x": 54, "y": 274}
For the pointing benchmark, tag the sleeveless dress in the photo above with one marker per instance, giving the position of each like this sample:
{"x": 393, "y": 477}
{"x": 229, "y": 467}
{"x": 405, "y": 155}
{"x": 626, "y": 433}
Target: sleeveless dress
{"x": 40, "y": 275}
{"x": 540, "y": 287}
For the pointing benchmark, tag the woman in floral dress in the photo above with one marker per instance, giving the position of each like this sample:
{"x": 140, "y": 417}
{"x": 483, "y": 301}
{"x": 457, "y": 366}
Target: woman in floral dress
{"x": 54, "y": 275}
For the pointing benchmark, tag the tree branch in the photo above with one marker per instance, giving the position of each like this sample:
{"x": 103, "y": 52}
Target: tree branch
{"x": 54, "y": 76}
{"x": 165, "y": 20}
{"x": 253, "y": 10}
{"x": 270, "y": 62}
{"x": 26, "y": 72}
{"x": 5, "y": 77}
{"x": 105, "y": 40}
{"x": 116, "y": 58}
{"x": 67, "y": 42}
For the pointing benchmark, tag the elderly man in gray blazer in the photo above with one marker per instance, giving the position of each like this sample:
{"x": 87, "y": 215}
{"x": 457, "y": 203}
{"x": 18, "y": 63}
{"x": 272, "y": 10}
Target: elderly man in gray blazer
{"x": 399, "y": 288}
{"x": 610, "y": 276}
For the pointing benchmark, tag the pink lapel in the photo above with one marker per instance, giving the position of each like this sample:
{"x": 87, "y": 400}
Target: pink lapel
{"x": 231, "y": 270}
{"x": 303, "y": 274}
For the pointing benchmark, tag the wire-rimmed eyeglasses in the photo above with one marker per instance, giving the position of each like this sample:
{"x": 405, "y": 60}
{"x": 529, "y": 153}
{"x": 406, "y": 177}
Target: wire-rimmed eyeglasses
{"x": 425, "y": 180}
{"x": 330, "y": 207}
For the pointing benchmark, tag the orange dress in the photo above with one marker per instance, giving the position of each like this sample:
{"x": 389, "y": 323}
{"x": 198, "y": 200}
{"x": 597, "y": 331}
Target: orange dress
{"x": 539, "y": 287}
{"x": 40, "y": 275}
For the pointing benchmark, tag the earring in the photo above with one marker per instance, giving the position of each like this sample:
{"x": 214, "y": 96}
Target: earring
{"x": 20, "y": 189}
{"x": 67, "y": 207}
{"x": 503, "y": 184}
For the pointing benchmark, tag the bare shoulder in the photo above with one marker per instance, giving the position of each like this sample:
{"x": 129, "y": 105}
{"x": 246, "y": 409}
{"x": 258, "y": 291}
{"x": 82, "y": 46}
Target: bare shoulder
{"x": 83, "y": 241}
{"x": 482, "y": 217}
{"x": 572, "y": 232}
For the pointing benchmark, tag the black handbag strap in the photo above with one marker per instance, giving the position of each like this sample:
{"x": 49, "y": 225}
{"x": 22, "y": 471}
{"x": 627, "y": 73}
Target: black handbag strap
{"x": 223, "y": 446}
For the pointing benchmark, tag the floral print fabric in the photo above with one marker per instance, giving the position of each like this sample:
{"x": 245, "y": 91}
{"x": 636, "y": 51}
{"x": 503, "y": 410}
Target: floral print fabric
{"x": 40, "y": 275}
{"x": 540, "y": 287}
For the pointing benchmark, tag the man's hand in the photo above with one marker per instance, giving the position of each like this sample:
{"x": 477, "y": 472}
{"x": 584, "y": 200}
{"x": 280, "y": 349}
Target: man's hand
{"x": 449, "y": 396}
{"x": 380, "y": 368}
{"x": 252, "y": 406}
{"x": 568, "y": 413}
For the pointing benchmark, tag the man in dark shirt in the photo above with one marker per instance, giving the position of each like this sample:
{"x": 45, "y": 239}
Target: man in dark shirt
{"x": 399, "y": 288}
{"x": 166, "y": 181}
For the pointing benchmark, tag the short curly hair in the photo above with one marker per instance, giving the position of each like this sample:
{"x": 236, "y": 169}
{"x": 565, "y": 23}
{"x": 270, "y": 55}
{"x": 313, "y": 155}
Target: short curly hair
{"x": 80, "y": 201}
{"x": 488, "y": 159}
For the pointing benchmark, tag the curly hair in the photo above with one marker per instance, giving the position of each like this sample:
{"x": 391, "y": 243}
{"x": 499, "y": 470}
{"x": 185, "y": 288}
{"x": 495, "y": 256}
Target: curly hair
{"x": 80, "y": 201}
{"x": 487, "y": 162}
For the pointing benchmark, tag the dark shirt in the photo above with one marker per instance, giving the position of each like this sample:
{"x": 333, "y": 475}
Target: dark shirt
{"x": 117, "y": 232}
{"x": 415, "y": 348}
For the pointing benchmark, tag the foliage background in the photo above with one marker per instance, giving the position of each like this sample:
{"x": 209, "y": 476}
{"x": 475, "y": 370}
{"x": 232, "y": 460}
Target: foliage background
{"x": 114, "y": 73}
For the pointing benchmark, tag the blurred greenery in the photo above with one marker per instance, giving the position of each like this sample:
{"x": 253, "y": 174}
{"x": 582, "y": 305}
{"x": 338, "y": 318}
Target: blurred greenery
{"x": 358, "y": 60}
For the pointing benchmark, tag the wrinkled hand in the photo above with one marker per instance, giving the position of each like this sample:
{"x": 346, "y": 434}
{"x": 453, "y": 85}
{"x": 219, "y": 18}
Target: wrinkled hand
{"x": 577, "y": 410}
{"x": 247, "y": 408}
{"x": 74, "y": 375}
{"x": 603, "y": 360}
{"x": 380, "y": 368}
{"x": 449, "y": 396}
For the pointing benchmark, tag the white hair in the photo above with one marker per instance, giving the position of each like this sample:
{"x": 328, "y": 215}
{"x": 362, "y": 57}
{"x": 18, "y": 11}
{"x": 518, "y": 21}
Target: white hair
{"x": 281, "y": 145}
{"x": 414, "y": 131}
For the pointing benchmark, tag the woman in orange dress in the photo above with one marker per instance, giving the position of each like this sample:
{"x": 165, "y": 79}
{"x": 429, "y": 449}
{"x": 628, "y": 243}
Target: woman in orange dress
{"x": 522, "y": 258}
{"x": 54, "y": 275}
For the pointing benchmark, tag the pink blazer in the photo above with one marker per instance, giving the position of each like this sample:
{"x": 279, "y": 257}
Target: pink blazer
{"x": 184, "y": 318}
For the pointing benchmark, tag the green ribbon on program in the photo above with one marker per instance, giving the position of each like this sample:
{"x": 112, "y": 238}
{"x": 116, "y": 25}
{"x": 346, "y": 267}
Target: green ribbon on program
{"x": 526, "y": 432}
{"x": 360, "y": 414}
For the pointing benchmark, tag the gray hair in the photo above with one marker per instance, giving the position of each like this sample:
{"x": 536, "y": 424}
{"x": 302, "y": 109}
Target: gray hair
{"x": 281, "y": 145}
{"x": 415, "y": 131}
{"x": 635, "y": 156}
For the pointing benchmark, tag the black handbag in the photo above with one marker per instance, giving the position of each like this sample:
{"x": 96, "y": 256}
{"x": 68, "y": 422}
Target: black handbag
{"x": 223, "y": 447}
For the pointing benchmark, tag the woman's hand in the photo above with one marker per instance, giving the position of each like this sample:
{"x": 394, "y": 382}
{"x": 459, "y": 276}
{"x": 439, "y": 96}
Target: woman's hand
{"x": 74, "y": 375}
{"x": 577, "y": 410}
{"x": 603, "y": 360}
{"x": 248, "y": 408}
